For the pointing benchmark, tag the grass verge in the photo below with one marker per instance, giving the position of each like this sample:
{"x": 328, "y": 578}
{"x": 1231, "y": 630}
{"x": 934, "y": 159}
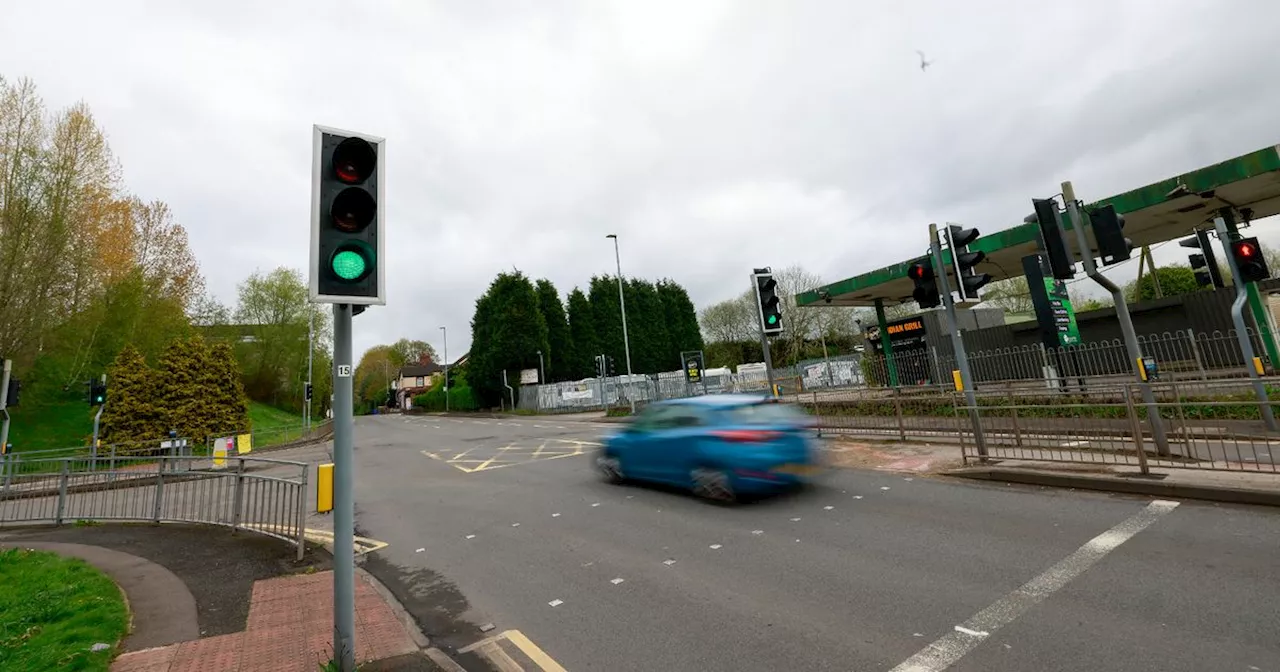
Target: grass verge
{"x": 53, "y": 610}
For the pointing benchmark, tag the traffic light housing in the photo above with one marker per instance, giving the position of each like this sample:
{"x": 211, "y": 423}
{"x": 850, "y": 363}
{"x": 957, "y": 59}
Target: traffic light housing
{"x": 768, "y": 302}
{"x": 347, "y": 241}
{"x": 609, "y": 368}
{"x": 969, "y": 282}
{"x": 1061, "y": 263}
{"x": 926, "y": 291}
{"x": 14, "y": 392}
{"x": 308, "y": 392}
{"x": 1205, "y": 264}
{"x": 1249, "y": 260}
{"x": 1108, "y": 232}
{"x": 97, "y": 392}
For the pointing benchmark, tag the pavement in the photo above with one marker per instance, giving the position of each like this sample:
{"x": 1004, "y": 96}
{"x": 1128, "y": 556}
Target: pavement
{"x": 508, "y": 549}
{"x": 201, "y": 598}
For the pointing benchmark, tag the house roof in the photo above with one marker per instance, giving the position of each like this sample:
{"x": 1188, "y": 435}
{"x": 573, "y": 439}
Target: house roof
{"x": 411, "y": 370}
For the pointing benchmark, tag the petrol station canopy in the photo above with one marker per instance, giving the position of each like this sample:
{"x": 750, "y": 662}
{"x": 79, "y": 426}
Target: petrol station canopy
{"x": 1170, "y": 209}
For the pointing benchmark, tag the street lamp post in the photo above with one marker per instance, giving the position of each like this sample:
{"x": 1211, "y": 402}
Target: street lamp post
{"x": 542, "y": 370}
{"x": 622, "y": 302}
{"x": 446, "y": 368}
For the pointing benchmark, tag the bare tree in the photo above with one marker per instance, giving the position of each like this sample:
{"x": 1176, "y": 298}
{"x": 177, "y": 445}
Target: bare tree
{"x": 730, "y": 320}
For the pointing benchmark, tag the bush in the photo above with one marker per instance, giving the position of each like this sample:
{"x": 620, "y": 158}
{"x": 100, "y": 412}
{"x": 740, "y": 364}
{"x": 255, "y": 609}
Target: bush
{"x": 460, "y": 399}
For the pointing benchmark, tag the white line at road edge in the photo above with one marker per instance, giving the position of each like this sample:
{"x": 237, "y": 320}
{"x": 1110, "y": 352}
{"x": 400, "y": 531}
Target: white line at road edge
{"x": 950, "y": 648}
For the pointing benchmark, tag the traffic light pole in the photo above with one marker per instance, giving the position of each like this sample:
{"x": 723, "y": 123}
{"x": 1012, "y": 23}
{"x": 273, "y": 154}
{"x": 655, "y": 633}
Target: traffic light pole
{"x": 1237, "y": 317}
{"x": 4, "y": 407}
{"x": 344, "y": 554}
{"x": 1076, "y": 220}
{"x": 764, "y": 340}
{"x": 1255, "y": 300}
{"x": 957, "y": 341}
{"x": 97, "y": 419}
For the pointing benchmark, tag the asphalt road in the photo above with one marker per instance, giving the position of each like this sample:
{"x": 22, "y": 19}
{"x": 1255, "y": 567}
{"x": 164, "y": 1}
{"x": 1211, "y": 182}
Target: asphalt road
{"x": 504, "y": 522}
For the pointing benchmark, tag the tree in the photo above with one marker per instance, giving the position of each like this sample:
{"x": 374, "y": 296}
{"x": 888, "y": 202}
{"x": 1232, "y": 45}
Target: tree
{"x": 582, "y": 333}
{"x": 681, "y": 319}
{"x": 606, "y": 312}
{"x": 226, "y": 402}
{"x": 373, "y": 375}
{"x": 182, "y": 386}
{"x": 647, "y": 333}
{"x": 1011, "y": 295}
{"x": 274, "y": 312}
{"x": 731, "y": 320}
{"x": 1175, "y": 280}
{"x": 405, "y": 351}
{"x": 560, "y": 356}
{"x": 506, "y": 333}
{"x": 132, "y": 413}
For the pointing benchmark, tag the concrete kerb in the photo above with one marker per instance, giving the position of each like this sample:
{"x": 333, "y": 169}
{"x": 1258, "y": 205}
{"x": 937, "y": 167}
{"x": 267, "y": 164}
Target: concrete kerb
{"x": 1128, "y": 484}
{"x": 406, "y": 619}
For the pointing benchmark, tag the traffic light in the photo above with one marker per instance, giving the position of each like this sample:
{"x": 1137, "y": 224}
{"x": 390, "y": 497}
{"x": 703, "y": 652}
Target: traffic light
{"x": 968, "y": 281}
{"x": 15, "y": 390}
{"x": 1249, "y": 260}
{"x": 308, "y": 392}
{"x": 926, "y": 291}
{"x": 1108, "y": 232}
{"x": 1061, "y": 263}
{"x": 768, "y": 302}
{"x": 347, "y": 243}
{"x": 609, "y": 369}
{"x": 1204, "y": 264}
{"x": 97, "y": 392}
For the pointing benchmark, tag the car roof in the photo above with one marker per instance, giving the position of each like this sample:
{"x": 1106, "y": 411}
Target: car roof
{"x": 719, "y": 400}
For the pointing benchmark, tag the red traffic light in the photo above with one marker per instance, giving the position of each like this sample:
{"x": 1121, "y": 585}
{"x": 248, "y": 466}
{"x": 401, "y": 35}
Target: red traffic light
{"x": 920, "y": 272}
{"x": 1246, "y": 249}
{"x": 354, "y": 160}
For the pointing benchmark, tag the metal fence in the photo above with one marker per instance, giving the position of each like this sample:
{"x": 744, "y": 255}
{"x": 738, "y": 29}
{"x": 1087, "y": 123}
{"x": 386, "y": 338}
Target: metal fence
{"x": 1213, "y": 424}
{"x": 244, "y": 493}
{"x": 1179, "y": 355}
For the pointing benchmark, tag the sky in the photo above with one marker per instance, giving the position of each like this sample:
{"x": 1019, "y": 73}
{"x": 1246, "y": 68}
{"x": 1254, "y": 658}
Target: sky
{"x": 711, "y": 136}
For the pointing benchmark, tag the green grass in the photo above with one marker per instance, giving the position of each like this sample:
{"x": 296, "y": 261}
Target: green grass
{"x": 50, "y": 424}
{"x": 53, "y": 610}
{"x": 263, "y": 416}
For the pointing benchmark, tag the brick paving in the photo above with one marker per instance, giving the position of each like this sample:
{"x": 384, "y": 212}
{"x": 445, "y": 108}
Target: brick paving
{"x": 290, "y": 628}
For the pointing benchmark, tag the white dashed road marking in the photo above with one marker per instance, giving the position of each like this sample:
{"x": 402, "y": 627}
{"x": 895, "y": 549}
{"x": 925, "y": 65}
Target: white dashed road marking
{"x": 950, "y": 648}
{"x": 556, "y": 603}
{"x": 715, "y": 547}
{"x": 616, "y": 581}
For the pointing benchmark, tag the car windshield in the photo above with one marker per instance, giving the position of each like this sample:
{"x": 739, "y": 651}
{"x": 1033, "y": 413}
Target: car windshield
{"x": 764, "y": 413}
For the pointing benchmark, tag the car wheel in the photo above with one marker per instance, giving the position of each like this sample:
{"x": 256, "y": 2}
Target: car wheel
{"x": 611, "y": 467}
{"x": 712, "y": 484}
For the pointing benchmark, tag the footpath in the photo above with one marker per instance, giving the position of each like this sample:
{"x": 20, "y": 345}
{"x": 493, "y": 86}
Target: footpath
{"x": 201, "y": 598}
{"x": 1230, "y": 487}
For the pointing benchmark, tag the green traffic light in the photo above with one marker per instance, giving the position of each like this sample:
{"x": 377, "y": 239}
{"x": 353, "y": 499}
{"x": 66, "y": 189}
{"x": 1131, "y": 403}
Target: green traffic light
{"x": 773, "y": 319}
{"x": 349, "y": 265}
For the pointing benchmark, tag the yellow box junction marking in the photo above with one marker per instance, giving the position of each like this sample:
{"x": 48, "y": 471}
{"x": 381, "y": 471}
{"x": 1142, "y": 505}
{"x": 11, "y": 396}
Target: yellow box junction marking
{"x": 476, "y": 459}
{"x": 491, "y": 649}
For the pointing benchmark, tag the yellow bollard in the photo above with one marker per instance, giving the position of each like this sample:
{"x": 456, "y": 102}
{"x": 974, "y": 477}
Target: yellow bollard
{"x": 324, "y": 488}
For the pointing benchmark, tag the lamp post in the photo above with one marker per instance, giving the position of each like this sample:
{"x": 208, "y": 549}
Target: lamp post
{"x": 622, "y": 302}
{"x": 542, "y": 370}
{"x": 446, "y": 368}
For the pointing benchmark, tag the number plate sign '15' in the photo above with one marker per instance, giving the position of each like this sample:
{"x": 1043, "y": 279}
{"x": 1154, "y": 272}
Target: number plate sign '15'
{"x": 348, "y": 184}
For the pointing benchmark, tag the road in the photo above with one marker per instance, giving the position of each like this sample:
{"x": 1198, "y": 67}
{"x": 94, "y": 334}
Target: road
{"x": 504, "y": 522}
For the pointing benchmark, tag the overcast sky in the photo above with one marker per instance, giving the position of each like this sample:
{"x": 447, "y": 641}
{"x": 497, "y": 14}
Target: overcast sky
{"x": 711, "y": 136}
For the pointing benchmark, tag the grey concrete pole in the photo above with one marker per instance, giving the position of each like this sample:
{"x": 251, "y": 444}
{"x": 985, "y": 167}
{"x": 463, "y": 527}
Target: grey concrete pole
{"x": 344, "y": 555}
{"x": 446, "y": 368}
{"x": 622, "y": 302}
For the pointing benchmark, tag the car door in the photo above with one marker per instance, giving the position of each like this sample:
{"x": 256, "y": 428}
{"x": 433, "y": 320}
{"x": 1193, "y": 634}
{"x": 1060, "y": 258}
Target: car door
{"x": 673, "y": 450}
{"x": 635, "y": 445}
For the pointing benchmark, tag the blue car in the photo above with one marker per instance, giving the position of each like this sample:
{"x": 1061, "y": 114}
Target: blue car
{"x": 719, "y": 446}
